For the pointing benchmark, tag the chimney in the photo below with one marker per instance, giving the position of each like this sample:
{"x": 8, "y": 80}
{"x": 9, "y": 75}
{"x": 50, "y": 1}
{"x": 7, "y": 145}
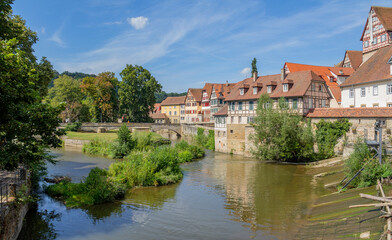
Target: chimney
{"x": 227, "y": 83}
{"x": 282, "y": 74}
{"x": 254, "y": 76}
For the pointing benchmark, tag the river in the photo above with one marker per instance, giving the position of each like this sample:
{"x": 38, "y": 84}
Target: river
{"x": 220, "y": 197}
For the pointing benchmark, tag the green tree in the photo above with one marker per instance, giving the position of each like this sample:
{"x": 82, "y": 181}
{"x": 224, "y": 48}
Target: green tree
{"x": 254, "y": 67}
{"x": 67, "y": 91}
{"x": 103, "y": 92}
{"x": 27, "y": 126}
{"x": 280, "y": 134}
{"x": 136, "y": 93}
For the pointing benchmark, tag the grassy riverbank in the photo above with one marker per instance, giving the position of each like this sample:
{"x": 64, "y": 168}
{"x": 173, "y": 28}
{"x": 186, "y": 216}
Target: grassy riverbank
{"x": 146, "y": 162}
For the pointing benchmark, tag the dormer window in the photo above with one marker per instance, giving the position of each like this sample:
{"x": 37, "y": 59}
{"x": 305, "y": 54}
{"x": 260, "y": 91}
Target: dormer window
{"x": 269, "y": 89}
{"x": 285, "y": 87}
{"x": 241, "y": 91}
{"x": 390, "y": 65}
{"x": 254, "y": 90}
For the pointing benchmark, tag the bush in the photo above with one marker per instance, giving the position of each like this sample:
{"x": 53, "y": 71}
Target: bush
{"x": 185, "y": 156}
{"x": 73, "y": 127}
{"x": 197, "y": 151}
{"x": 123, "y": 145}
{"x": 327, "y": 135}
{"x": 94, "y": 189}
{"x": 362, "y": 157}
{"x": 280, "y": 134}
{"x": 97, "y": 146}
{"x": 159, "y": 167}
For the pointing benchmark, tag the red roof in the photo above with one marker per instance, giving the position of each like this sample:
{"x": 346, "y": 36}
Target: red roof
{"x": 222, "y": 90}
{"x": 355, "y": 58}
{"x": 173, "y": 101}
{"x": 384, "y": 14}
{"x": 342, "y": 71}
{"x": 197, "y": 93}
{"x": 222, "y": 112}
{"x": 376, "y": 68}
{"x": 324, "y": 72}
{"x": 374, "y": 112}
{"x": 208, "y": 88}
{"x": 158, "y": 116}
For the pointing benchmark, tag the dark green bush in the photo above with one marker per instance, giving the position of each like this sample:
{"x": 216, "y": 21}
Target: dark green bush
{"x": 328, "y": 133}
{"x": 94, "y": 189}
{"x": 197, "y": 151}
{"x": 73, "y": 127}
{"x": 363, "y": 157}
{"x": 185, "y": 156}
{"x": 97, "y": 147}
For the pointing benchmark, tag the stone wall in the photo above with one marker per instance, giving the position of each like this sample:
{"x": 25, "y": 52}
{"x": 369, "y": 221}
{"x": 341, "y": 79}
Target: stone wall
{"x": 236, "y": 138}
{"x": 191, "y": 129}
{"x": 221, "y": 140}
{"x": 93, "y": 127}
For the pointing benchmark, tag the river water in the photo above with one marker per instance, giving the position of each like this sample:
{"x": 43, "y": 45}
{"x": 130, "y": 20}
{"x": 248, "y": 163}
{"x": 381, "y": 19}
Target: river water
{"x": 220, "y": 197}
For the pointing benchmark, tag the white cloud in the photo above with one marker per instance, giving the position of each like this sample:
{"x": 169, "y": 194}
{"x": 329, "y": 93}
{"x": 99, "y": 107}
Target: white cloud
{"x": 138, "y": 22}
{"x": 245, "y": 71}
{"x": 57, "y": 38}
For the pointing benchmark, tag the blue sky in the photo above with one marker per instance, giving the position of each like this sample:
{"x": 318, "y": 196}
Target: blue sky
{"x": 186, "y": 43}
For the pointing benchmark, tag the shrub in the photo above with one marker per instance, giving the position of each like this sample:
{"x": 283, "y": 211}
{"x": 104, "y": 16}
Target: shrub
{"x": 362, "y": 157}
{"x": 97, "y": 146}
{"x": 123, "y": 145}
{"x": 73, "y": 127}
{"x": 185, "y": 156}
{"x": 327, "y": 135}
{"x": 94, "y": 189}
{"x": 280, "y": 134}
{"x": 197, "y": 151}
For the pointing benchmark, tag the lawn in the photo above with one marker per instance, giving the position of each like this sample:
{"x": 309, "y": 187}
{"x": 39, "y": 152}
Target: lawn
{"x": 110, "y": 136}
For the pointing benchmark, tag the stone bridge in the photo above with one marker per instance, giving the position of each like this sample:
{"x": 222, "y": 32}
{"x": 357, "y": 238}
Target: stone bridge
{"x": 170, "y": 127}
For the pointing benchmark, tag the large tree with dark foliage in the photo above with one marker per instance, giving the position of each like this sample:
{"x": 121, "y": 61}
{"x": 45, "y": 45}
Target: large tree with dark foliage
{"x": 27, "y": 126}
{"x": 136, "y": 93}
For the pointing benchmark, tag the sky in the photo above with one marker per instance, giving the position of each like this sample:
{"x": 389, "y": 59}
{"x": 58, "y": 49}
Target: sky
{"x": 186, "y": 43}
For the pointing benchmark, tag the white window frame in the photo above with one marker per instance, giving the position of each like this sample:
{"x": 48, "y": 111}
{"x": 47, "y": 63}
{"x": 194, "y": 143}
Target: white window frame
{"x": 389, "y": 89}
{"x": 285, "y": 87}
{"x": 363, "y": 92}
{"x": 375, "y": 90}
{"x": 242, "y": 91}
{"x": 351, "y": 93}
{"x": 254, "y": 90}
{"x": 269, "y": 89}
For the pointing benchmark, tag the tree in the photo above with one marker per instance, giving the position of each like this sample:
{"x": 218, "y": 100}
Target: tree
{"x": 280, "y": 134}
{"x": 67, "y": 91}
{"x": 254, "y": 67}
{"x": 27, "y": 126}
{"x": 136, "y": 93}
{"x": 103, "y": 92}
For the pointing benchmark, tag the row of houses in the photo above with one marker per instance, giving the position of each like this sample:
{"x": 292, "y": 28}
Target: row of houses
{"x": 363, "y": 79}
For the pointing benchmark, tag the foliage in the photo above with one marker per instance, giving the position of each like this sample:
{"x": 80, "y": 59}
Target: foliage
{"x": 136, "y": 93}
{"x": 205, "y": 141}
{"x": 66, "y": 91}
{"x": 77, "y": 75}
{"x": 23, "y": 115}
{"x": 96, "y": 188}
{"x": 185, "y": 156}
{"x": 160, "y": 96}
{"x": 254, "y": 67}
{"x": 196, "y": 151}
{"x": 102, "y": 90}
{"x": 362, "y": 157}
{"x": 123, "y": 145}
{"x": 74, "y": 127}
{"x": 327, "y": 135}
{"x": 280, "y": 134}
{"x": 159, "y": 167}
{"x": 97, "y": 146}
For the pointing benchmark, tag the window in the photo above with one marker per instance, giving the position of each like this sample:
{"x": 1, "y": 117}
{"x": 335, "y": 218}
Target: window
{"x": 285, "y": 87}
{"x": 170, "y": 113}
{"x": 251, "y": 107}
{"x": 310, "y": 102}
{"x": 313, "y": 87}
{"x": 363, "y": 105}
{"x": 295, "y": 103}
{"x": 239, "y": 105}
{"x": 375, "y": 90}
{"x": 254, "y": 90}
{"x": 363, "y": 92}
{"x": 389, "y": 104}
{"x": 375, "y": 104}
{"x": 232, "y": 104}
{"x": 269, "y": 89}
{"x": 366, "y": 44}
{"x": 320, "y": 88}
{"x": 239, "y": 119}
{"x": 323, "y": 103}
{"x": 241, "y": 91}
{"x": 175, "y": 112}
{"x": 389, "y": 89}
{"x": 383, "y": 38}
{"x": 374, "y": 41}
{"x": 351, "y": 93}
{"x": 220, "y": 101}
{"x": 250, "y": 119}
{"x": 232, "y": 120}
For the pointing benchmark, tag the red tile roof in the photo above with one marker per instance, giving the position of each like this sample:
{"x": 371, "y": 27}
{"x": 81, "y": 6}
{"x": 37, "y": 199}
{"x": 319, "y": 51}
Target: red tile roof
{"x": 324, "y": 72}
{"x": 173, "y": 101}
{"x": 355, "y": 58}
{"x": 208, "y": 88}
{"x": 197, "y": 93}
{"x": 248, "y": 95}
{"x": 376, "y": 68}
{"x": 375, "y": 112}
{"x": 223, "y": 111}
{"x": 301, "y": 80}
{"x": 158, "y": 116}
{"x": 222, "y": 90}
{"x": 342, "y": 71}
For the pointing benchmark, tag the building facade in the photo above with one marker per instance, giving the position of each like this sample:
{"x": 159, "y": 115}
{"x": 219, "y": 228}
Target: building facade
{"x": 193, "y": 108}
{"x": 171, "y": 106}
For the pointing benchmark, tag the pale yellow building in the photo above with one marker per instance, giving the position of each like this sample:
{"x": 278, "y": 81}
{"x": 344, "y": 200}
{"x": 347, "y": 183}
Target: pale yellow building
{"x": 171, "y": 107}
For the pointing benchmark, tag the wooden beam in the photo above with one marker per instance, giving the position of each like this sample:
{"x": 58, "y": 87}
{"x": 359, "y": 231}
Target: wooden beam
{"x": 372, "y": 205}
{"x": 371, "y": 197}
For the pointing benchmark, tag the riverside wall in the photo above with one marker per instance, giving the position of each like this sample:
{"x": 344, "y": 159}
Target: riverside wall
{"x": 238, "y": 141}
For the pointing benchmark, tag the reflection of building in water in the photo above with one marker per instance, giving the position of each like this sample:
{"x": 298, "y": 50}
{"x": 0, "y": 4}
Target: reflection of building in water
{"x": 266, "y": 196}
